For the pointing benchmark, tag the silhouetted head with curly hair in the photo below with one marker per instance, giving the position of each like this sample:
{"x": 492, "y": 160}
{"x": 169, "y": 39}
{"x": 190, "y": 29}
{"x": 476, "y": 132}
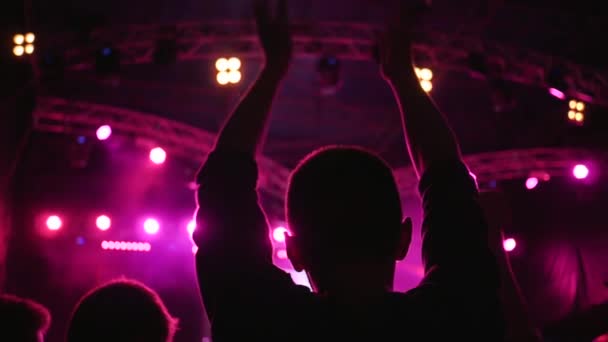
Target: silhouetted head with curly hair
{"x": 121, "y": 310}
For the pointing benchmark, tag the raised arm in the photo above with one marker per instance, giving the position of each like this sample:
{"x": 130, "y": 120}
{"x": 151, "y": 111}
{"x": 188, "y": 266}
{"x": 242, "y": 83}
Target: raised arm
{"x": 241, "y": 289}
{"x": 429, "y": 138}
{"x": 459, "y": 265}
{"x": 246, "y": 127}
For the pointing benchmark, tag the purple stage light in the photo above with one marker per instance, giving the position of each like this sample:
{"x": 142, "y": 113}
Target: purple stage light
{"x": 557, "y": 93}
{"x": 509, "y": 244}
{"x": 158, "y": 155}
{"x": 151, "y": 226}
{"x": 580, "y": 171}
{"x": 531, "y": 183}
{"x": 53, "y": 222}
{"x": 104, "y": 132}
{"x": 103, "y": 222}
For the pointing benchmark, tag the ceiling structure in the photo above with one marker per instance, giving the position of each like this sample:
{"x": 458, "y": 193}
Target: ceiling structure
{"x": 523, "y": 39}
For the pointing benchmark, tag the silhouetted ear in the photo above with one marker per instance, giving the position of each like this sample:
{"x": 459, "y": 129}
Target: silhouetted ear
{"x": 294, "y": 253}
{"x": 405, "y": 238}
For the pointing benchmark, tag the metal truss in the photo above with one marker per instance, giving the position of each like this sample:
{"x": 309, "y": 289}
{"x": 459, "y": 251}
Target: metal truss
{"x": 347, "y": 41}
{"x": 515, "y": 164}
{"x": 190, "y": 143}
{"x": 179, "y": 140}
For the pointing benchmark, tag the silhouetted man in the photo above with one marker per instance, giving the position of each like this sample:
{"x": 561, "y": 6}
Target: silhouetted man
{"x": 122, "y": 311}
{"x": 344, "y": 211}
{"x": 22, "y": 319}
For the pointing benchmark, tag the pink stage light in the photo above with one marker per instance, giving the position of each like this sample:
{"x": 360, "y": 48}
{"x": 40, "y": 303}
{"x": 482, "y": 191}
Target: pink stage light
{"x": 151, "y": 226}
{"x": 531, "y": 183}
{"x": 557, "y": 93}
{"x": 278, "y": 234}
{"x": 103, "y": 222}
{"x": 191, "y": 227}
{"x": 194, "y": 249}
{"x": 127, "y": 246}
{"x": 509, "y": 244}
{"x": 104, "y": 132}
{"x": 53, "y": 222}
{"x": 580, "y": 171}
{"x": 158, "y": 155}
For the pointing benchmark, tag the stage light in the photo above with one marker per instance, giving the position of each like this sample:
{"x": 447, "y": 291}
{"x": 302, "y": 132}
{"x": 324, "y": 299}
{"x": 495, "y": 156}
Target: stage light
{"x": 228, "y": 70}
{"x": 278, "y": 234}
{"x": 18, "y": 39}
{"x": 557, "y": 93}
{"x": 104, "y": 132}
{"x": 282, "y": 254}
{"x": 107, "y": 61}
{"x": 30, "y": 37}
{"x": 151, "y": 226}
{"x": 557, "y": 84}
{"x": 127, "y": 246}
{"x": 18, "y": 51}
{"x": 221, "y": 64}
{"x": 234, "y": 64}
{"x": 580, "y": 171}
{"x": 509, "y": 244}
{"x": 425, "y": 76}
{"x": 103, "y": 222}
{"x": 234, "y": 77}
{"x": 427, "y": 86}
{"x": 576, "y": 111}
{"x": 531, "y": 183}
{"x": 53, "y": 222}
{"x": 223, "y": 78}
{"x": 158, "y": 155}
{"x": 191, "y": 227}
{"x": 194, "y": 249}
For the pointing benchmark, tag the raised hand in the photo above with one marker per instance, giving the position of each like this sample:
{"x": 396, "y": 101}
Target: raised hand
{"x": 274, "y": 35}
{"x": 394, "y": 46}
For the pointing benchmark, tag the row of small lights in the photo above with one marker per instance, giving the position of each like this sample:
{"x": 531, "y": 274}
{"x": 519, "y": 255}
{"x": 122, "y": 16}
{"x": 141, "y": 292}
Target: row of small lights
{"x": 150, "y": 226}
{"x": 128, "y": 246}
{"x": 103, "y": 222}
